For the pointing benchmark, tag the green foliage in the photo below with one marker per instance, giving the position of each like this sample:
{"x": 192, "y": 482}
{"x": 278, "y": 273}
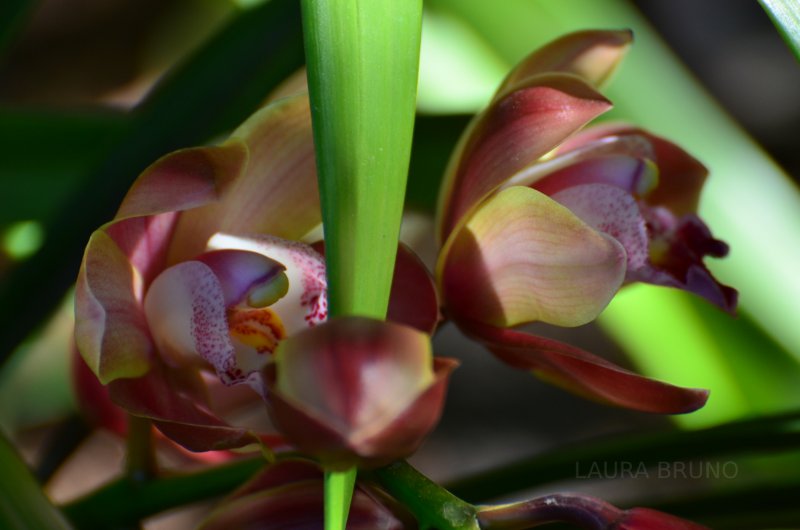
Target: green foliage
{"x": 785, "y": 14}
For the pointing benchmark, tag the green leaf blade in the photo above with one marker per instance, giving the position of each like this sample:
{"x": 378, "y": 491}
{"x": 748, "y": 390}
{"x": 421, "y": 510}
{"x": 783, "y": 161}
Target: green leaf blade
{"x": 785, "y": 14}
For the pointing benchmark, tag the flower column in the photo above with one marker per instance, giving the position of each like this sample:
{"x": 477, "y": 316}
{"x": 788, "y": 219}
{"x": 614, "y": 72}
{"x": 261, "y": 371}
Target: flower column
{"x": 362, "y": 60}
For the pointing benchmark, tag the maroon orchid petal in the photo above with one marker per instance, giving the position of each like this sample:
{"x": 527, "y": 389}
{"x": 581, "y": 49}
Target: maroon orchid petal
{"x": 592, "y": 55}
{"x": 93, "y": 399}
{"x": 289, "y": 494}
{"x": 183, "y": 180}
{"x": 677, "y": 250}
{"x": 176, "y": 401}
{"x": 584, "y": 373}
{"x": 512, "y": 133}
{"x": 356, "y": 390}
{"x": 579, "y": 510}
{"x": 681, "y": 176}
{"x": 413, "y": 300}
{"x": 110, "y": 327}
{"x": 647, "y": 519}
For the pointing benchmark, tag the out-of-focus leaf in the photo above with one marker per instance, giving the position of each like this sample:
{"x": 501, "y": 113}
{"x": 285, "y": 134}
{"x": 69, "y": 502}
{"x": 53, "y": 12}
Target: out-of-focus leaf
{"x": 47, "y": 154}
{"x": 35, "y": 384}
{"x": 23, "y": 506}
{"x": 785, "y": 14}
{"x": 12, "y": 14}
{"x": 457, "y": 66}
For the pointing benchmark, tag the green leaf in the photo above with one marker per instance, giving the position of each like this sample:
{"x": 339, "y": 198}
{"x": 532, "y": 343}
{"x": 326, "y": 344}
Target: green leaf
{"x": 363, "y": 59}
{"x": 13, "y": 13}
{"x": 785, "y": 14}
{"x": 764, "y": 435}
{"x": 23, "y": 506}
{"x": 48, "y": 154}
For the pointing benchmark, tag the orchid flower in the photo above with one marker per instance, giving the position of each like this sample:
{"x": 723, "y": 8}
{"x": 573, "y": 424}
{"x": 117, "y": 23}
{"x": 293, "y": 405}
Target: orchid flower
{"x": 539, "y": 224}
{"x": 184, "y": 297}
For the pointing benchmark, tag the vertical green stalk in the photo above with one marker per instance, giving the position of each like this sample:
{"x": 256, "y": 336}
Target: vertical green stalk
{"x": 363, "y": 59}
{"x": 785, "y": 14}
{"x": 23, "y": 506}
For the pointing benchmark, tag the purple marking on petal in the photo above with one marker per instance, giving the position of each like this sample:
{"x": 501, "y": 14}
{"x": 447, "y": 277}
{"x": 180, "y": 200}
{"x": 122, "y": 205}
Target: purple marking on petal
{"x": 239, "y": 271}
{"x": 613, "y": 211}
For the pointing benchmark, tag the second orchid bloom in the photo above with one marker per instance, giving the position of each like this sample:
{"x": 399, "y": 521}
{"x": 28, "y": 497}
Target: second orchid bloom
{"x": 540, "y": 224}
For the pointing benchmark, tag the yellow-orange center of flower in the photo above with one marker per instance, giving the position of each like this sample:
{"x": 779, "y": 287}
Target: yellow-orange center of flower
{"x": 259, "y": 328}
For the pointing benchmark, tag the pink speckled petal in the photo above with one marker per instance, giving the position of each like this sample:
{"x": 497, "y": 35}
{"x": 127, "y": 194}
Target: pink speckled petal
{"x": 186, "y": 312}
{"x": 613, "y": 211}
{"x": 592, "y": 55}
{"x": 523, "y": 257}
{"x": 512, "y": 133}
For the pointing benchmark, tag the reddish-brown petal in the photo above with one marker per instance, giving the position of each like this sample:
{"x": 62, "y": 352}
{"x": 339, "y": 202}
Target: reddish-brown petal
{"x": 413, "y": 300}
{"x": 277, "y": 192}
{"x": 681, "y": 176}
{"x": 175, "y": 400}
{"x": 647, "y": 519}
{"x": 579, "y": 510}
{"x": 93, "y": 399}
{"x": 356, "y": 390}
{"x": 511, "y": 134}
{"x": 522, "y": 257}
{"x": 583, "y": 373}
{"x": 184, "y": 179}
{"x": 110, "y": 327}
{"x": 592, "y": 55}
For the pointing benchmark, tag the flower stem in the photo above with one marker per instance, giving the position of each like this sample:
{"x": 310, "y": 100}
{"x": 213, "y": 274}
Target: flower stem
{"x": 433, "y": 506}
{"x": 141, "y": 463}
{"x": 338, "y": 494}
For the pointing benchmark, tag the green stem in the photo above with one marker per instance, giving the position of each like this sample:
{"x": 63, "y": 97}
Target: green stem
{"x": 23, "y": 506}
{"x": 124, "y": 501}
{"x": 338, "y": 494}
{"x": 433, "y": 506}
{"x": 767, "y": 434}
{"x": 141, "y": 464}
